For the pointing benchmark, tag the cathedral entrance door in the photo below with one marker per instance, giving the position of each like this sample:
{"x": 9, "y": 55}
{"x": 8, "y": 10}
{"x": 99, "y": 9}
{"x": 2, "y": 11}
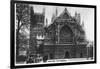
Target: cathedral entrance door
{"x": 67, "y": 54}
{"x": 51, "y": 56}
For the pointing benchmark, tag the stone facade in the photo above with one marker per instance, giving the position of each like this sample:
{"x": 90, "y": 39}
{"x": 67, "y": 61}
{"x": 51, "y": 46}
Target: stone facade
{"x": 64, "y": 38}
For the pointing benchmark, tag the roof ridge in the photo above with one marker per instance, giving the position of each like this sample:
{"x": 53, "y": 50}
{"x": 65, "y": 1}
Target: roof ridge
{"x": 65, "y": 11}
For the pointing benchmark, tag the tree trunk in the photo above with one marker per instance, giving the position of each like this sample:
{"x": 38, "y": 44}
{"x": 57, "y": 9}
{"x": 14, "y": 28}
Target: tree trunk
{"x": 17, "y": 41}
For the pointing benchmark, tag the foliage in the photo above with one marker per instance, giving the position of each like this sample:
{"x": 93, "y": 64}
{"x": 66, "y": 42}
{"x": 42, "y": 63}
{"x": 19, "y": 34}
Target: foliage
{"x": 22, "y": 26}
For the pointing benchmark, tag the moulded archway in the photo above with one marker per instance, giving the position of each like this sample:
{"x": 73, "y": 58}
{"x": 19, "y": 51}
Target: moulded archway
{"x": 66, "y": 35}
{"x": 67, "y": 54}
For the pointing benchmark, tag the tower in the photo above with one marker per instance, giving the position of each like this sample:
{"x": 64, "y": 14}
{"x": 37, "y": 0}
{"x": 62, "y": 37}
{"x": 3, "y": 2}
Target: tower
{"x": 32, "y": 33}
{"x": 36, "y": 31}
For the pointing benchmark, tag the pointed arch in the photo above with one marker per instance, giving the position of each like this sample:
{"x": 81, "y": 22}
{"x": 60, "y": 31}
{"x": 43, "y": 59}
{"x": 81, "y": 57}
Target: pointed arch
{"x": 66, "y": 35}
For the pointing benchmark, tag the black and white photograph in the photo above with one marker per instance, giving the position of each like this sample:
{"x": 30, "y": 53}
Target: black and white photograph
{"x": 51, "y": 34}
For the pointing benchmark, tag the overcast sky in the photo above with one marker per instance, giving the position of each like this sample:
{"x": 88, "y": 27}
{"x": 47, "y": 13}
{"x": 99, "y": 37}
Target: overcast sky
{"x": 87, "y": 15}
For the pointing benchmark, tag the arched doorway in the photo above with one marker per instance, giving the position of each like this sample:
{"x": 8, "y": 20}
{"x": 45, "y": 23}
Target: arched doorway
{"x": 81, "y": 55}
{"x": 67, "y": 54}
{"x": 51, "y": 56}
{"x": 66, "y": 35}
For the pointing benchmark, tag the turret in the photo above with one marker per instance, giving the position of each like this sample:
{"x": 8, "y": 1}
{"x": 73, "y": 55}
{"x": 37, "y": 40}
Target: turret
{"x": 46, "y": 22}
{"x": 56, "y": 14}
{"x": 82, "y": 23}
{"x": 53, "y": 18}
{"x": 77, "y": 17}
{"x": 44, "y": 15}
{"x": 43, "y": 11}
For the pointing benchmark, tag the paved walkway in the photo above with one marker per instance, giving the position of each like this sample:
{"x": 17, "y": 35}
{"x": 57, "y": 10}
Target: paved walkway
{"x": 59, "y": 61}
{"x": 71, "y": 60}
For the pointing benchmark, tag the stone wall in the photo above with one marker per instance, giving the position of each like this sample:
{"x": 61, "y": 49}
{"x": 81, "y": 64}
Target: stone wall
{"x": 65, "y": 51}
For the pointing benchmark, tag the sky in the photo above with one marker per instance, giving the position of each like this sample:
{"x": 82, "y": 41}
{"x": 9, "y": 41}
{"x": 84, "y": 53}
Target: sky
{"x": 87, "y": 16}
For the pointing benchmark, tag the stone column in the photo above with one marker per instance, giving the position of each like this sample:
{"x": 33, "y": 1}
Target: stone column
{"x": 58, "y": 33}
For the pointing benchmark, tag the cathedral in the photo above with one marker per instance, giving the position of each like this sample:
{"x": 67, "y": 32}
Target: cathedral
{"x": 64, "y": 38}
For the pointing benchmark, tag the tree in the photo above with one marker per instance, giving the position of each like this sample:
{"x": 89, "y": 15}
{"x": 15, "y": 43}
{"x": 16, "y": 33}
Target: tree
{"x": 22, "y": 22}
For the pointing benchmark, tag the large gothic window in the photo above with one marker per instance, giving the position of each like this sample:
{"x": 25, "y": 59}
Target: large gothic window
{"x": 66, "y": 35}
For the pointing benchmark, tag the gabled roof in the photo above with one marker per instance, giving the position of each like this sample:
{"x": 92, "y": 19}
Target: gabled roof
{"x": 65, "y": 14}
